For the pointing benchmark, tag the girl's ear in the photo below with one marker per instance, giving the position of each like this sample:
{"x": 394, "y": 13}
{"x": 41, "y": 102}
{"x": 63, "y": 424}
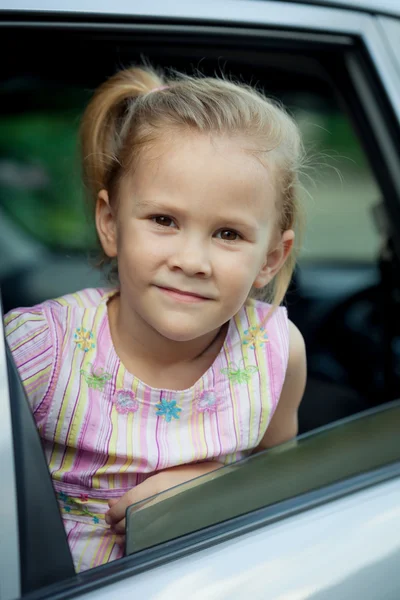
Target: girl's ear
{"x": 275, "y": 259}
{"x": 106, "y": 224}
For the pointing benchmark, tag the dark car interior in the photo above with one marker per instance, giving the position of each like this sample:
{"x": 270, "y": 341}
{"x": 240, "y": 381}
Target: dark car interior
{"x": 343, "y": 304}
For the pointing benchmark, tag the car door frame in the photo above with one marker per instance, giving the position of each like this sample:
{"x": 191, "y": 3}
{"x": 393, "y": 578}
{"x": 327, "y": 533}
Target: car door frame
{"x": 10, "y": 575}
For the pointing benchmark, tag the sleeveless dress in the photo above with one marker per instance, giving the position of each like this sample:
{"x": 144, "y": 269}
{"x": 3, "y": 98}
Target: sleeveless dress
{"x": 104, "y": 431}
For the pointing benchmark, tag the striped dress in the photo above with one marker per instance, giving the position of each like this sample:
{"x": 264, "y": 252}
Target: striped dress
{"x": 104, "y": 431}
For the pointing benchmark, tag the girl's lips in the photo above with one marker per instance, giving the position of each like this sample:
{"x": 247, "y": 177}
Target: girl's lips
{"x": 188, "y": 297}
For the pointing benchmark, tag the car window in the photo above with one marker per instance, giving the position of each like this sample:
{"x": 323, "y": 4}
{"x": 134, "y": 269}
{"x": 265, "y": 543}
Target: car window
{"x": 312, "y": 462}
{"x": 48, "y": 239}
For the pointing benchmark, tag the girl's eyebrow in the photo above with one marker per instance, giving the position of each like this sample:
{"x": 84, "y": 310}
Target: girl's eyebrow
{"x": 153, "y": 204}
{"x": 226, "y": 221}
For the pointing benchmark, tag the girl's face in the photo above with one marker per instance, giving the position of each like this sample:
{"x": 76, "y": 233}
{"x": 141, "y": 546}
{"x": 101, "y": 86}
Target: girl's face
{"x": 195, "y": 230}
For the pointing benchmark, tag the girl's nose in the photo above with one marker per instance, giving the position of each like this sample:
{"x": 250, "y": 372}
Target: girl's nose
{"x": 192, "y": 258}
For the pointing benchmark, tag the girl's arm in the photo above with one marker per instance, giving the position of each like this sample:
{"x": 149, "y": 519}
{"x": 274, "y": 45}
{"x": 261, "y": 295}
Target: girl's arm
{"x": 156, "y": 484}
{"x": 284, "y": 423}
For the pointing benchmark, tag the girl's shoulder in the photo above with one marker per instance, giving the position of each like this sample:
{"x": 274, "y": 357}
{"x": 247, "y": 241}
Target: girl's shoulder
{"x": 30, "y": 330}
{"x": 39, "y": 317}
{"x": 83, "y": 299}
{"x": 35, "y": 334}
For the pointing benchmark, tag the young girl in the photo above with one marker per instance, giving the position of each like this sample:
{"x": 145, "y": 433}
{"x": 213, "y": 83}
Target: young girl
{"x": 176, "y": 371}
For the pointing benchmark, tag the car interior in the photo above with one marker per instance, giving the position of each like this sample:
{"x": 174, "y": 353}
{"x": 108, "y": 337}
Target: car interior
{"x": 346, "y": 288}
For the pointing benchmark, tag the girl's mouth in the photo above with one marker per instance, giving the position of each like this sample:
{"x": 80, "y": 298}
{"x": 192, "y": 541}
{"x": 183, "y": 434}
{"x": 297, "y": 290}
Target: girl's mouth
{"x": 182, "y": 296}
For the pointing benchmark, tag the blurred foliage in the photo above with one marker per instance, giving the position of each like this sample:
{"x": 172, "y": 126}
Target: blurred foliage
{"x": 40, "y": 183}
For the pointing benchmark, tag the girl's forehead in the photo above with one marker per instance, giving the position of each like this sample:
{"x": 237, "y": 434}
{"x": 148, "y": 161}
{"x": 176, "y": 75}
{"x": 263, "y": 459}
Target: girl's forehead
{"x": 202, "y": 167}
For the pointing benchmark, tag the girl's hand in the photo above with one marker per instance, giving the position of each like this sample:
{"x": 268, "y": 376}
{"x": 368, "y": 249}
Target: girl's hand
{"x": 161, "y": 481}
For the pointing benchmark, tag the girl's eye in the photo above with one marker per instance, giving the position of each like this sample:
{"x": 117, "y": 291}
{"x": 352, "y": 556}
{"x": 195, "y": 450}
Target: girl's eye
{"x": 163, "y": 220}
{"x": 228, "y": 235}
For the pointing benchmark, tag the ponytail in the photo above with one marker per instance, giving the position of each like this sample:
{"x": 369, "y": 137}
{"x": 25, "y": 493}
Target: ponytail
{"x": 104, "y": 122}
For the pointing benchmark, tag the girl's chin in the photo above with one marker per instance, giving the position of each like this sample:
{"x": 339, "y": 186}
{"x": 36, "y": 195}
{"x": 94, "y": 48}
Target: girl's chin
{"x": 178, "y": 337}
{"x": 185, "y": 334}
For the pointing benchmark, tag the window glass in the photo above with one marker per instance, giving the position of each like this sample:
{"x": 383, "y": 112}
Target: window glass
{"x": 297, "y": 467}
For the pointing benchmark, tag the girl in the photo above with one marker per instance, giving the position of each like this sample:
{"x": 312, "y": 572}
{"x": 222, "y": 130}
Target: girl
{"x": 176, "y": 371}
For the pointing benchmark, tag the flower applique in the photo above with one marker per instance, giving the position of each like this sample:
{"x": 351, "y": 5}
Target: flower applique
{"x": 73, "y": 504}
{"x": 83, "y": 339}
{"x": 168, "y": 410}
{"x": 239, "y": 374}
{"x": 255, "y": 337}
{"x": 207, "y": 401}
{"x": 96, "y": 379}
{"x": 125, "y": 402}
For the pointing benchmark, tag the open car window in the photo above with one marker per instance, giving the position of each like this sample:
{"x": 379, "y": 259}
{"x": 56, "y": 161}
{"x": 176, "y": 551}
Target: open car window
{"x": 48, "y": 243}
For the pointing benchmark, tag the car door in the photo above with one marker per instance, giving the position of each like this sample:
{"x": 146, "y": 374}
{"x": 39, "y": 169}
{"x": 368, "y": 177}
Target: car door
{"x": 318, "y": 55}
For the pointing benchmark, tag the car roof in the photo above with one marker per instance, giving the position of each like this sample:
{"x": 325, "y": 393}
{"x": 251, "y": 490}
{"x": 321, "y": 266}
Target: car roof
{"x": 388, "y": 7}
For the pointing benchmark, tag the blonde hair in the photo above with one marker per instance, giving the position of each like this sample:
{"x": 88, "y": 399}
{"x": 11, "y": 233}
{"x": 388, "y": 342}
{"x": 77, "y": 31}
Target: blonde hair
{"x": 137, "y": 106}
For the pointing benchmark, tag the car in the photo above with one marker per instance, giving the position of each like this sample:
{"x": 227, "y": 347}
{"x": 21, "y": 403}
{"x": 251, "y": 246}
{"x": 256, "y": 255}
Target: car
{"x": 314, "y": 518}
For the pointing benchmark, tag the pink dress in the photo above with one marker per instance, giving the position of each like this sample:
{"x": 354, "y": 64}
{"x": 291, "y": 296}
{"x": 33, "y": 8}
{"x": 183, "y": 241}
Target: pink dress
{"x": 104, "y": 431}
